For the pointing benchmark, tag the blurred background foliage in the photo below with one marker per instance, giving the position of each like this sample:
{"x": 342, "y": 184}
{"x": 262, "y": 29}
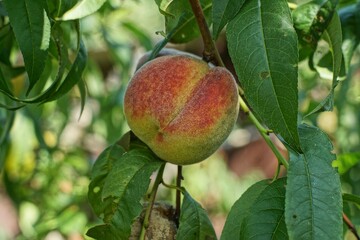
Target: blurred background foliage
{"x": 48, "y": 155}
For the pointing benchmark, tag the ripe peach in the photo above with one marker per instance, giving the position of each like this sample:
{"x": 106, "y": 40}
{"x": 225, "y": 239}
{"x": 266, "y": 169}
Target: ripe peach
{"x": 181, "y": 108}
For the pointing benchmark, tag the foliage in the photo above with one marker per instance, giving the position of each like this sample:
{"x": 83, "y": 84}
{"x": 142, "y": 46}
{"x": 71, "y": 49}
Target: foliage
{"x": 297, "y": 64}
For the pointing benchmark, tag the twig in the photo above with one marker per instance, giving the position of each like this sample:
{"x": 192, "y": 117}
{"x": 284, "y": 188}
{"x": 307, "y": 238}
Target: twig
{"x": 210, "y": 54}
{"x": 351, "y": 226}
{"x": 264, "y": 133}
{"x": 178, "y": 194}
{"x": 146, "y": 221}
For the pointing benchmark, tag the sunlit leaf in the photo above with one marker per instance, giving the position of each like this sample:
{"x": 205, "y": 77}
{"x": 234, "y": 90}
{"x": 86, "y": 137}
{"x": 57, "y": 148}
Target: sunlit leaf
{"x": 82, "y": 9}
{"x": 346, "y": 161}
{"x": 31, "y": 26}
{"x": 313, "y": 208}
{"x": 259, "y": 213}
{"x": 194, "y": 221}
{"x": 263, "y": 47}
{"x": 223, "y": 11}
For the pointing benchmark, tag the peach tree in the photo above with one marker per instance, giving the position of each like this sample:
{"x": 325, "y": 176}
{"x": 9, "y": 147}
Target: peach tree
{"x": 181, "y": 112}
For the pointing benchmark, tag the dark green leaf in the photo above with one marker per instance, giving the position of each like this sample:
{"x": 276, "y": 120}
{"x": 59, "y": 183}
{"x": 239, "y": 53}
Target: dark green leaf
{"x": 350, "y": 20}
{"x": 259, "y": 213}
{"x": 32, "y": 31}
{"x": 121, "y": 180}
{"x": 346, "y": 161}
{"x": 334, "y": 38}
{"x": 104, "y": 162}
{"x": 104, "y": 231}
{"x": 351, "y": 198}
{"x": 313, "y": 208}
{"x": 194, "y": 221}
{"x": 4, "y": 88}
{"x": 82, "y": 89}
{"x": 189, "y": 29}
{"x": 74, "y": 75}
{"x": 6, "y": 43}
{"x": 263, "y": 47}
{"x": 82, "y": 9}
{"x": 223, "y": 11}
{"x": 312, "y": 18}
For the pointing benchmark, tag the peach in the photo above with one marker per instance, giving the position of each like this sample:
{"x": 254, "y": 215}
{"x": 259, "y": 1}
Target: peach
{"x": 182, "y": 108}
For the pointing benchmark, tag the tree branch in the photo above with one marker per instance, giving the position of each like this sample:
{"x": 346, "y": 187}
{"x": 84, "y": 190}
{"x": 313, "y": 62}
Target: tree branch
{"x": 210, "y": 53}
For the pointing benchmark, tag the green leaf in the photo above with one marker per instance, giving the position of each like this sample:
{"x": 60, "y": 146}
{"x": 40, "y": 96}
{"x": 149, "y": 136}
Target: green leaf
{"x": 312, "y": 18}
{"x": 189, "y": 29}
{"x": 32, "y": 31}
{"x": 74, "y": 75}
{"x": 82, "y": 89}
{"x": 139, "y": 34}
{"x": 346, "y": 161}
{"x": 259, "y": 213}
{"x": 263, "y": 47}
{"x": 350, "y": 20}
{"x": 120, "y": 180}
{"x": 82, "y": 9}
{"x": 4, "y": 87}
{"x": 103, "y": 231}
{"x": 194, "y": 221}
{"x": 351, "y": 198}
{"x": 224, "y": 11}
{"x": 334, "y": 38}
{"x": 6, "y": 43}
{"x": 313, "y": 208}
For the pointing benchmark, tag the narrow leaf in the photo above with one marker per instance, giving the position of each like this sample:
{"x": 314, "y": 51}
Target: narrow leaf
{"x": 313, "y": 208}
{"x": 312, "y": 18}
{"x": 350, "y": 19}
{"x": 6, "y": 43}
{"x": 82, "y": 89}
{"x": 351, "y": 198}
{"x": 194, "y": 221}
{"x": 4, "y": 87}
{"x": 334, "y": 38}
{"x": 74, "y": 75}
{"x": 82, "y": 9}
{"x": 32, "y": 31}
{"x": 223, "y": 11}
{"x": 263, "y": 47}
{"x": 259, "y": 213}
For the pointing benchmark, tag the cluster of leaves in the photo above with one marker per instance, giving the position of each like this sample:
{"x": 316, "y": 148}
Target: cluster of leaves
{"x": 266, "y": 41}
{"x": 37, "y": 168}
